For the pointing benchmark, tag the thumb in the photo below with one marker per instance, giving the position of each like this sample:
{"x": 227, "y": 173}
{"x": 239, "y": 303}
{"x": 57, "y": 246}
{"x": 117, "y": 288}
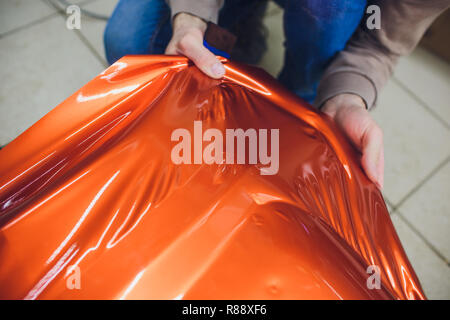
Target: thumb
{"x": 373, "y": 155}
{"x": 204, "y": 59}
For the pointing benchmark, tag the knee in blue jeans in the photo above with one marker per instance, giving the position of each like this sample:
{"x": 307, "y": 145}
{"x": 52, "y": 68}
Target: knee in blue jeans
{"x": 137, "y": 27}
{"x": 322, "y": 22}
{"x": 113, "y": 43}
{"x": 315, "y": 31}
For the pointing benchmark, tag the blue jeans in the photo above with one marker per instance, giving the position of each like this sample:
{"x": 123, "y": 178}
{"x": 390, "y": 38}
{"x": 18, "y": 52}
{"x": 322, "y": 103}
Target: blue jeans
{"x": 315, "y": 31}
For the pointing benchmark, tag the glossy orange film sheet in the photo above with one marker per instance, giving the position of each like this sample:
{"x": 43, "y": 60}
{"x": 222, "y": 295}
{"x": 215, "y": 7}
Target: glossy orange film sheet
{"x": 91, "y": 191}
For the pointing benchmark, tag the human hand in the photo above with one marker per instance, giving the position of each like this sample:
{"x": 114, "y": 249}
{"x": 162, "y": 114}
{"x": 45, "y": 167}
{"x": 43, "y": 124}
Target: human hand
{"x": 349, "y": 113}
{"x": 187, "y": 40}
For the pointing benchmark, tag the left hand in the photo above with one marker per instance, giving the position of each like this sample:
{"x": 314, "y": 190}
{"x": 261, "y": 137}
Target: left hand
{"x": 187, "y": 40}
{"x": 349, "y": 112}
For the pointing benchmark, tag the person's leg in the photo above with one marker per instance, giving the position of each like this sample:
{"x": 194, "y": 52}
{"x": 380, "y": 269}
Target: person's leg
{"x": 315, "y": 31}
{"x": 244, "y": 19}
{"x": 137, "y": 27}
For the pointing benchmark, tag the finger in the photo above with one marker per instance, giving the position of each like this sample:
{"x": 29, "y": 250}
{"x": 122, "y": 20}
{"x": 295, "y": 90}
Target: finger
{"x": 373, "y": 156}
{"x": 204, "y": 59}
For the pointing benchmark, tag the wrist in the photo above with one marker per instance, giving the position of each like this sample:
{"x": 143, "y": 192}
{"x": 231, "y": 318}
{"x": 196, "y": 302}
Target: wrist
{"x": 186, "y": 20}
{"x": 343, "y": 100}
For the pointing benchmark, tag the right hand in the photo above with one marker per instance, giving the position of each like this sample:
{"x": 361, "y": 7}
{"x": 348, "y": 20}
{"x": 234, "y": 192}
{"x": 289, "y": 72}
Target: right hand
{"x": 349, "y": 112}
{"x": 187, "y": 40}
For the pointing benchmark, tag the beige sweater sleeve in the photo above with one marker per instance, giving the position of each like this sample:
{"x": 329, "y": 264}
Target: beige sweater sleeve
{"x": 208, "y": 10}
{"x": 366, "y": 63}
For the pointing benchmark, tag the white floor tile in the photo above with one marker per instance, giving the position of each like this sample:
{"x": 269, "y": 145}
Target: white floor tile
{"x": 40, "y": 67}
{"x": 429, "y": 210}
{"x": 428, "y": 77}
{"x": 433, "y": 272}
{"x": 273, "y": 59}
{"x": 415, "y": 142}
{"x": 273, "y": 8}
{"x": 17, "y": 13}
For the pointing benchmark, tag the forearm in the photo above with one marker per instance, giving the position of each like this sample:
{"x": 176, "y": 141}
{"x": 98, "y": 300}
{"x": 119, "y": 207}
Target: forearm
{"x": 366, "y": 64}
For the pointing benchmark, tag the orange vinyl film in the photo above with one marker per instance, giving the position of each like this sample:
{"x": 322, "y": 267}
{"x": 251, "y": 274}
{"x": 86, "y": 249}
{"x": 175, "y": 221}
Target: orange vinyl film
{"x": 91, "y": 188}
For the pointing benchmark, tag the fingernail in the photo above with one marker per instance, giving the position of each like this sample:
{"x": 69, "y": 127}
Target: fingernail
{"x": 218, "y": 70}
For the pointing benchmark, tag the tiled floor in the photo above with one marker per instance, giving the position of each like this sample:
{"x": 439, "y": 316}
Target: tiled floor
{"x": 42, "y": 63}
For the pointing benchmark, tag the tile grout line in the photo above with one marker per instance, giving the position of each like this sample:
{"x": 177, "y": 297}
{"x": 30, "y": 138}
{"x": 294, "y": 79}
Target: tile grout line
{"x": 422, "y": 103}
{"x": 29, "y": 25}
{"x": 422, "y": 237}
{"x": 91, "y": 48}
{"x": 87, "y": 43}
{"x": 422, "y": 182}
{"x": 389, "y": 203}
{"x": 396, "y": 210}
